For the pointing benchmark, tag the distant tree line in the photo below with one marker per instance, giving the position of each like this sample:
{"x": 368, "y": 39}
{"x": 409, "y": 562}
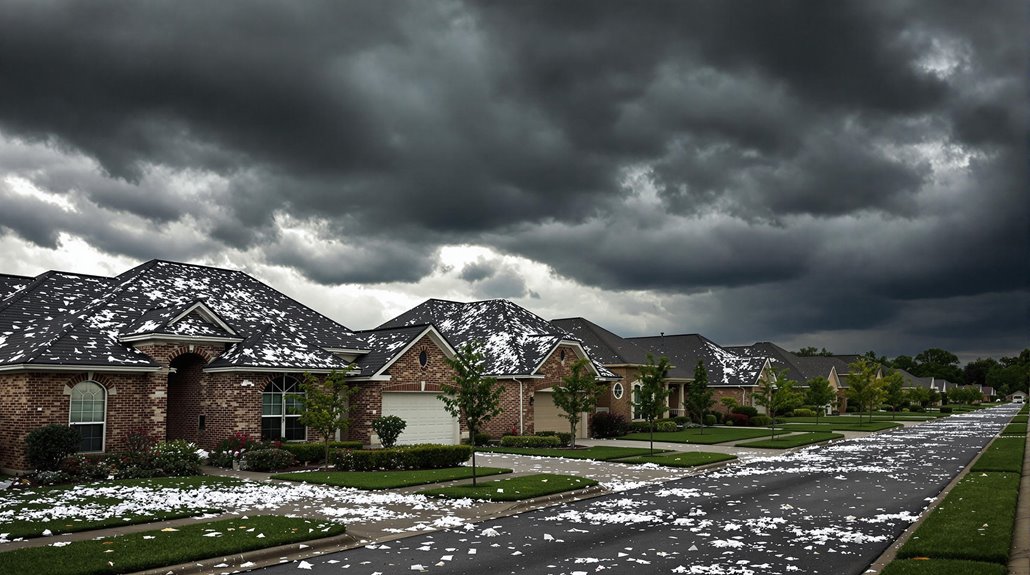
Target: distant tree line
{"x": 1005, "y": 375}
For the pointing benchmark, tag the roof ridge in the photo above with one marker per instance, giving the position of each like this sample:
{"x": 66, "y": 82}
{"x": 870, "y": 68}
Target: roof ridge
{"x": 35, "y": 283}
{"x": 312, "y": 310}
{"x": 82, "y": 315}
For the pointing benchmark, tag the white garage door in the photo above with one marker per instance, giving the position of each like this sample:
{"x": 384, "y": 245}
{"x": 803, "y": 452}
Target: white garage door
{"x": 428, "y": 421}
{"x": 547, "y": 416}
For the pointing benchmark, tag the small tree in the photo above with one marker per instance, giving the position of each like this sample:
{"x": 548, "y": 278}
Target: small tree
{"x": 699, "y": 397}
{"x": 863, "y": 386}
{"x": 729, "y": 403}
{"x": 473, "y": 397}
{"x": 388, "y": 428}
{"x": 819, "y": 393}
{"x": 893, "y": 394}
{"x": 326, "y": 405}
{"x": 919, "y": 395}
{"x": 775, "y": 393}
{"x": 578, "y": 393}
{"x": 651, "y": 396}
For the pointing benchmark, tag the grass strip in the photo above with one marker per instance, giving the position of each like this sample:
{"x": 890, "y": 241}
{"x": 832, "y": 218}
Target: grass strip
{"x": 681, "y": 459}
{"x": 388, "y": 479}
{"x": 693, "y": 435}
{"x": 1019, "y": 419}
{"x": 788, "y": 441}
{"x": 974, "y": 521}
{"x": 598, "y": 453}
{"x": 15, "y": 503}
{"x": 161, "y": 548}
{"x": 943, "y": 567}
{"x": 1004, "y": 454}
{"x": 839, "y": 426}
{"x": 1014, "y": 429}
{"x": 514, "y": 488}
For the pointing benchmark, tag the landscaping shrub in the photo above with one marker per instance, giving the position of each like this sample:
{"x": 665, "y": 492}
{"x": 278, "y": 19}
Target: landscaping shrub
{"x": 388, "y": 428}
{"x": 681, "y": 420}
{"x": 235, "y": 447}
{"x": 746, "y": 410}
{"x": 851, "y": 409}
{"x": 605, "y": 425}
{"x": 665, "y": 426}
{"x": 428, "y": 456}
{"x": 803, "y": 412}
{"x": 945, "y": 409}
{"x": 710, "y": 420}
{"x": 176, "y": 458}
{"x": 315, "y": 452}
{"x": 481, "y": 438}
{"x": 728, "y": 422}
{"x": 47, "y": 446}
{"x": 759, "y": 421}
{"x": 80, "y": 467}
{"x": 530, "y": 441}
{"x": 641, "y": 426}
{"x": 738, "y": 419}
{"x": 917, "y": 409}
{"x": 268, "y": 459}
{"x": 564, "y": 436}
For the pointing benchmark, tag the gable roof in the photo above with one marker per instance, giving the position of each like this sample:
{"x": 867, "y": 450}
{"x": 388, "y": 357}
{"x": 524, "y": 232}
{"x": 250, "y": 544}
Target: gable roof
{"x": 778, "y": 357}
{"x": 603, "y": 345}
{"x": 9, "y": 284}
{"x": 389, "y": 343}
{"x": 684, "y": 351}
{"x": 515, "y": 340}
{"x": 77, "y": 320}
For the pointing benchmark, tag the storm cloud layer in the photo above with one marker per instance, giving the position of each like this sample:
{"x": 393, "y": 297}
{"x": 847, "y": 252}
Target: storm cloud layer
{"x": 844, "y": 174}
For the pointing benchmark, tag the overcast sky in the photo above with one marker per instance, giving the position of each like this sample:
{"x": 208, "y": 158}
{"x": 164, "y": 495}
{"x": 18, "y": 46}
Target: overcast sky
{"x": 849, "y": 175}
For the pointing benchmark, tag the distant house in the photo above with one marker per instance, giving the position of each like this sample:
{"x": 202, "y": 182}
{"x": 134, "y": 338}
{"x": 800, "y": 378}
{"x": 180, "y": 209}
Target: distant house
{"x": 187, "y": 352}
{"x": 729, "y": 375}
{"x": 526, "y": 353}
{"x": 1017, "y": 397}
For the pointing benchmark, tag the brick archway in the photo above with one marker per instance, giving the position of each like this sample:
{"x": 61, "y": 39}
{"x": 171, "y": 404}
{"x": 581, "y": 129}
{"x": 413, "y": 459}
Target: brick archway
{"x": 183, "y": 408}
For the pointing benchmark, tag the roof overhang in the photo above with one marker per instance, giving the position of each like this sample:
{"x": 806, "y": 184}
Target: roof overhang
{"x": 65, "y": 367}
{"x": 252, "y": 369}
{"x": 205, "y": 312}
{"x": 582, "y": 353}
{"x": 433, "y": 335}
{"x": 157, "y": 337}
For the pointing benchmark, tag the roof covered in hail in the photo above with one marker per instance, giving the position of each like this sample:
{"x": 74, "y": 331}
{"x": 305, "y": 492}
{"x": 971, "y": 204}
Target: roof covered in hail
{"x": 515, "y": 340}
{"x": 684, "y": 351}
{"x": 10, "y": 284}
{"x": 75, "y": 319}
{"x": 779, "y": 359}
{"x": 385, "y": 343}
{"x": 603, "y": 345}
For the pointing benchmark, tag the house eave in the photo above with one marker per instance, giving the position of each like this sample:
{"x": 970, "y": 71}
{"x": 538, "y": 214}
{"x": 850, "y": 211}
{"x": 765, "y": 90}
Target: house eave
{"x": 178, "y": 338}
{"x": 67, "y": 367}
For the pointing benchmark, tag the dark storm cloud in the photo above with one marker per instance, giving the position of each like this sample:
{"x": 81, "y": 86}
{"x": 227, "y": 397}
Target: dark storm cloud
{"x": 786, "y": 142}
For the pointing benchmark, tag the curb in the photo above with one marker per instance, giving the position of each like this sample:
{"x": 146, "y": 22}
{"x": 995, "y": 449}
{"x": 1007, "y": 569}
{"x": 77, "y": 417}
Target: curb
{"x": 259, "y": 557}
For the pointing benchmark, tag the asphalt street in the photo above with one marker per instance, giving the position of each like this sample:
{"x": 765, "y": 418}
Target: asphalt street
{"x": 830, "y": 509}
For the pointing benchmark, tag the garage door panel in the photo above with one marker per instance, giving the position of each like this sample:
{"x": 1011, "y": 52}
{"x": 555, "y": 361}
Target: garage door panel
{"x": 427, "y": 419}
{"x": 547, "y": 416}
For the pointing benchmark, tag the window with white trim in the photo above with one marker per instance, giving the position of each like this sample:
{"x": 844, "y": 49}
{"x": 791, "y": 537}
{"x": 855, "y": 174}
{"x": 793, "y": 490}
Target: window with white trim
{"x": 87, "y": 414}
{"x": 281, "y": 407}
{"x": 636, "y": 400}
{"x": 617, "y": 390}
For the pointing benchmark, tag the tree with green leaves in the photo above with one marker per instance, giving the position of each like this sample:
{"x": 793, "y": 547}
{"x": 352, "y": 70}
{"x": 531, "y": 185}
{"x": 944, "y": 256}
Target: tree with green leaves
{"x": 939, "y": 363}
{"x": 729, "y": 403}
{"x": 776, "y": 393}
{"x": 474, "y": 397}
{"x": 813, "y": 352}
{"x": 577, "y": 394}
{"x": 326, "y": 405}
{"x": 864, "y": 387}
{"x": 699, "y": 397}
{"x": 919, "y": 395}
{"x": 819, "y": 393}
{"x": 651, "y": 398}
{"x": 893, "y": 394}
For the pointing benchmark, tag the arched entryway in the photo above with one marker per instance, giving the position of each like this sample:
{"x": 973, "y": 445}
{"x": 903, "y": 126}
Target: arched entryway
{"x": 184, "y": 410}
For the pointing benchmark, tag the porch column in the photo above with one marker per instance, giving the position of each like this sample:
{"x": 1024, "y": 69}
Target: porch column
{"x": 683, "y": 410}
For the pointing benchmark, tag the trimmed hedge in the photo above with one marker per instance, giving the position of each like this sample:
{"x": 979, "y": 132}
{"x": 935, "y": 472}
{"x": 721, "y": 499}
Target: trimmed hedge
{"x": 759, "y": 421}
{"x": 746, "y": 410}
{"x": 803, "y": 412}
{"x": 428, "y": 456}
{"x": 532, "y": 441}
{"x": 315, "y": 452}
{"x": 564, "y": 436}
{"x": 736, "y": 419}
{"x": 268, "y": 460}
{"x": 47, "y": 446}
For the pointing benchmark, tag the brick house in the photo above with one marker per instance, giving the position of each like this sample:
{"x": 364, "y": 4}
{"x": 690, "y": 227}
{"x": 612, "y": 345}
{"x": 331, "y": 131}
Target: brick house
{"x": 526, "y": 353}
{"x": 185, "y": 351}
{"x": 729, "y": 374}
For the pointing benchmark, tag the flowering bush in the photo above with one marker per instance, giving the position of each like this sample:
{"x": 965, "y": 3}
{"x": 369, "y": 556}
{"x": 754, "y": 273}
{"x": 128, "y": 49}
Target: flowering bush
{"x": 177, "y": 457}
{"x": 236, "y": 447}
{"x": 738, "y": 419}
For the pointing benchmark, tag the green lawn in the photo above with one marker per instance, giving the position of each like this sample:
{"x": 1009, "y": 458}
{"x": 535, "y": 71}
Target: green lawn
{"x": 1014, "y": 429}
{"x": 974, "y": 522}
{"x": 853, "y": 418}
{"x": 681, "y": 459}
{"x": 840, "y": 426}
{"x": 599, "y": 453}
{"x": 1003, "y": 454}
{"x": 161, "y": 548}
{"x": 13, "y": 502}
{"x": 788, "y": 441}
{"x": 514, "y": 488}
{"x": 1019, "y": 419}
{"x": 711, "y": 435}
{"x": 943, "y": 567}
{"x": 388, "y": 479}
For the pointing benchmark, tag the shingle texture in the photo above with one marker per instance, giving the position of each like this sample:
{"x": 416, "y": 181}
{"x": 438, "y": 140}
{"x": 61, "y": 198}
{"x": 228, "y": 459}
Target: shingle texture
{"x": 74, "y": 319}
{"x": 684, "y": 351}
{"x": 603, "y": 345}
{"x": 10, "y": 284}
{"x": 514, "y": 339}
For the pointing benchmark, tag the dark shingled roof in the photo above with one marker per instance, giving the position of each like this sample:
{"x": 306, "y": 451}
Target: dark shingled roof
{"x": 385, "y": 343}
{"x": 778, "y": 357}
{"x": 10, "y": 284}
{"x": 76, "y": 319}
{"x": 515, "y": 340}
{"x": 603, "y": 345}
{"x": 724, "y": 368}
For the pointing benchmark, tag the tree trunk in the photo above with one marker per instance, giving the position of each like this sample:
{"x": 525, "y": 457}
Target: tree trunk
{"x": 472, "y": 443}
{"x": 572, "y": 441}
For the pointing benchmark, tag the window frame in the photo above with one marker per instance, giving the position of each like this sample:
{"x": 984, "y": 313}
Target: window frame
{"x": 618, "y": 390}
{"x": 279, "y": 386}
{"x": 634, "y": 399}
{"x": 103, "y": 421}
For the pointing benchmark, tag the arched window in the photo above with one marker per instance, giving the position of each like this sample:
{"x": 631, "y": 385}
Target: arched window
{"x": 87, "y": 414}
{"x": 636, "y": 400}
{"x": 280, "y": 410}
